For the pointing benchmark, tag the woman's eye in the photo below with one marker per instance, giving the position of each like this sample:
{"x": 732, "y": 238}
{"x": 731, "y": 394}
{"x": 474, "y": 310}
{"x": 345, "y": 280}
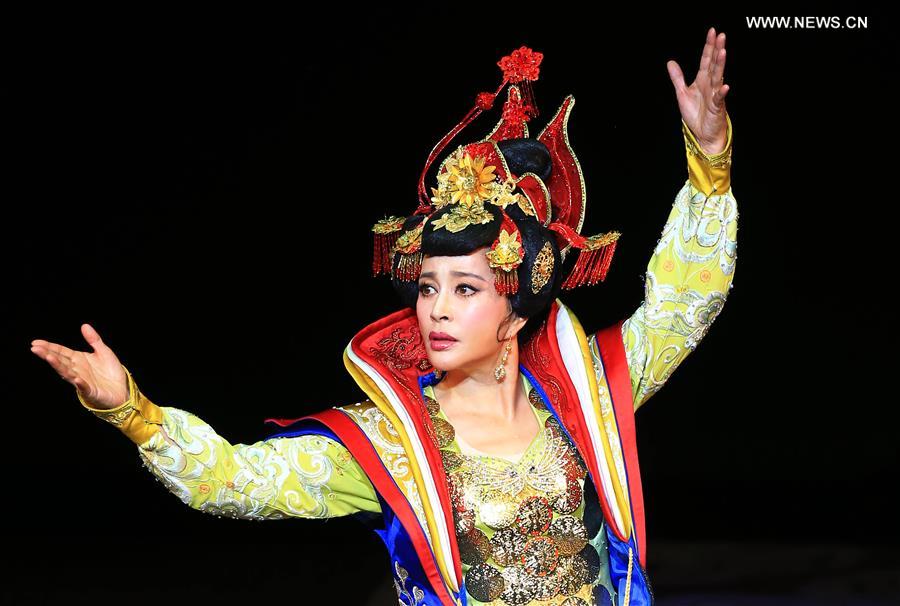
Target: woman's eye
{"x": 467, "y": 291}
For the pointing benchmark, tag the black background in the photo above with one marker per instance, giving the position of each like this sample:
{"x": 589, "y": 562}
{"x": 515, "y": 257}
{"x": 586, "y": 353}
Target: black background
{"x": 201, "y": 188}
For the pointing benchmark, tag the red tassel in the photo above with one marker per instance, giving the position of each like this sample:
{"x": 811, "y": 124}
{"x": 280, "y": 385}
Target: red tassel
{"x": 387, "y": 231}
{"x": 531, "y": 106}
{"x": 506, "y": 282}
{"x": 384, "y": 244}
{"x": 591, "y": 266}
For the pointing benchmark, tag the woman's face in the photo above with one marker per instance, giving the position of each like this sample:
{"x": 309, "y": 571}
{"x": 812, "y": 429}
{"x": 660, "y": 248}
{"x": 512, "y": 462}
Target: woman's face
{"x": 457, "y": 297}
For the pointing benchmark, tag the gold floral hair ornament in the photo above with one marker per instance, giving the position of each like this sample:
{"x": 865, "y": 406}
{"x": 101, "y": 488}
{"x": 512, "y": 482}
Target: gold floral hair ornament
{"x": 465, "y": 180}
{"x": 467, "y": 183}
{"x": 505, "y": 256}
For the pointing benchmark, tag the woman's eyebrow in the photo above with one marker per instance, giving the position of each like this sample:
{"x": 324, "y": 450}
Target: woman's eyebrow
{"x": 431, "y": 274}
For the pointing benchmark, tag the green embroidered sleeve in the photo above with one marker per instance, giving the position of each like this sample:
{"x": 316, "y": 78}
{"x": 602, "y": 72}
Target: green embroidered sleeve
{"x": 689, "y": 274}
{"x": 308, "y": 476}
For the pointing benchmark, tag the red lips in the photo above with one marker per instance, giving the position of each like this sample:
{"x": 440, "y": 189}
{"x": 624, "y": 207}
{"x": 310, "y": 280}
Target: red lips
{"x": 440, "y": 336}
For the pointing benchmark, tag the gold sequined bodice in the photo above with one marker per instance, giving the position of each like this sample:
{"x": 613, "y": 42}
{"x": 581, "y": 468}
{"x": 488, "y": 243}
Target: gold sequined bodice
{"x": 519, "y": 523}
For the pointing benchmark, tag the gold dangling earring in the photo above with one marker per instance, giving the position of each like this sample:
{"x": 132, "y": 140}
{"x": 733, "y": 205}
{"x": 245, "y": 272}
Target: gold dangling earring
{"x": 500, "y": 371}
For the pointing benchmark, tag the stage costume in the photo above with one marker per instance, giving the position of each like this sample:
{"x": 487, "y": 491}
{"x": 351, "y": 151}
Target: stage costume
{"x": 561, "y": 524}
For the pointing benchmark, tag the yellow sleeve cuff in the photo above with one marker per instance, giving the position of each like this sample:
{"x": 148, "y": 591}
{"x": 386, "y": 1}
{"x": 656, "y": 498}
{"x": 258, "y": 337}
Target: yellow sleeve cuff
{"x": 137, "y": 417}
{"x": 709, "y": 173}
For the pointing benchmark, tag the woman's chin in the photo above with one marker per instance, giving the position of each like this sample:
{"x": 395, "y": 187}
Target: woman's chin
{"x": 445, "y": 360}
{"x": 443, "y": 356}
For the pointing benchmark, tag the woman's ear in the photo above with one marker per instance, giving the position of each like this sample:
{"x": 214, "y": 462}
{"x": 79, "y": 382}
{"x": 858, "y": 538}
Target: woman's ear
{"x": 515, "y": 325}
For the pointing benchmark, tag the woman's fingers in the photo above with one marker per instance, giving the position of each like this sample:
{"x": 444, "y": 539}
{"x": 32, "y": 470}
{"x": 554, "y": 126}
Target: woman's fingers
{"x": 714, "y": 86}
{"x": 719, "y": 96}
{"x": 98, "y": 376}
{"x": 718, "y": 70}
{"x": 92, "y": 336}
{"x": 61, "y": 364}
{"x": 708, "y": 49}
{"x": 60, "y": 357}
{"x": 57, "y": 362}
{"x": 675, "y": 75}
{"x": 54, "y": 348}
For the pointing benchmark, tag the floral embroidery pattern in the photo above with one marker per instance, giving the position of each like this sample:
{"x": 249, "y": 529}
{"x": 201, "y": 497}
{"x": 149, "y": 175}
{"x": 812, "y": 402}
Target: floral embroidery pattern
{"x": 412, "y": 594}
{"x": 306, "y": 476}
{"x": 687, "y": 281}
{"x": 400, "y": 350}
{"x": 384, "y": 437}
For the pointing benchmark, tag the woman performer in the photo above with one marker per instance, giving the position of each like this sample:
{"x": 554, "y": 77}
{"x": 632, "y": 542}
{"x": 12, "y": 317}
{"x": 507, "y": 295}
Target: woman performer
{"x": 495, "y": 453}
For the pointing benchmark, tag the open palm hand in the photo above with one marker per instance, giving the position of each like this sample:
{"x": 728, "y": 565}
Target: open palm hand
{"x": 98, "y": 376}
{"x": 702, "y": 104}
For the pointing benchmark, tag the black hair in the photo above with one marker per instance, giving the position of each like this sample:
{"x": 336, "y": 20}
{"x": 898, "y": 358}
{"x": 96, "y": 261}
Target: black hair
{"x": 522, "y": 155}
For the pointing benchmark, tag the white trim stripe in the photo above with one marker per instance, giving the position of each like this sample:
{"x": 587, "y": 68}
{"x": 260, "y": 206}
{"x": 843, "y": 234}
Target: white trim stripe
{"x": 573, "y": 358}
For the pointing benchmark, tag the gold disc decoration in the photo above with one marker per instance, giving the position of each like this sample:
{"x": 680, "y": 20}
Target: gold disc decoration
{"x": 431, "y": 406}
{"x": 508, "y": 545}
{"x": 536, "y": 400}
{"x": 572, "y": 571}
{"x": 540, "y": 557}
{"x": 569, "y": 500}
{"x": 464, "y": 520}
{"x": 443, "y": 432}
{"x": 547, "y": 586}
{"x": 451, "y": 460}
{"x": 474, "y": 547}
{"x": 484, "y": 582}
{"x": 497, "y": 509}
{"x": 520, "y": 586}
{"x": 530, "y": 555}
{"x": 534, "y": 515}
{"x": 554, "y": 426}
{"x": 456, "y": 493}
{"x": 573, "y": 465}
{"x": 569, "y": 533}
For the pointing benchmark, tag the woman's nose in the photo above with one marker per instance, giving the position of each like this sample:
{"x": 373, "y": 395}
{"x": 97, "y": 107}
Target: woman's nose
{"x": 441, "y": 306}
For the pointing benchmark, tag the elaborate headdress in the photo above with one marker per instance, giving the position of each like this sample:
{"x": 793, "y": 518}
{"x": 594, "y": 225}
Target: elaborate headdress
{"x": 477, "y": 173}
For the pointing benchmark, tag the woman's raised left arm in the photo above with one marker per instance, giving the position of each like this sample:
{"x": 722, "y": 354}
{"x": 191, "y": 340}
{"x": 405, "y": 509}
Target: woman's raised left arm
{"x": 689, "y": 273}
{"x": 692, "y": 267}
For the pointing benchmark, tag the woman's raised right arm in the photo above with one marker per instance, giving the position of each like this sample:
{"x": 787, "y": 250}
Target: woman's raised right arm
{"x": 308, "y": 476}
